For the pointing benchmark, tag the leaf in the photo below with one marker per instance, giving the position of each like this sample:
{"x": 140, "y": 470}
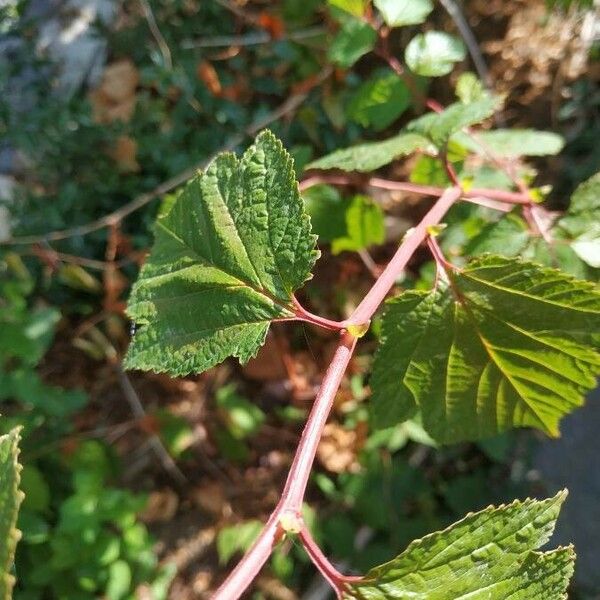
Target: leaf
{"x": 512, "y": 143}
{"x": 397, "y": 13}
{"x": 226, "y": 260}
{"x": 581, "y": 223}
{"x": 380, "y": 100}
{"x": 10, "y": 500}
{"x": 434, "y": 53}
{"x": 354, "y": 40}
{"x": 354, "y": 7}
{"x": 487, "y": 555}
{"x": 372, "y": 155}
{"x": 365, "y": 226}
{"x": 439, "y": 127}
{"x": 327, "y": 210}
{"x": 237, "y": 538}
{"x": 469, "y": 88}
{"x": 506, "y": 344}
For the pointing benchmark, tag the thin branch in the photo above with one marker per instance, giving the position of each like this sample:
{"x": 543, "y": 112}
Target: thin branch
{"x": 290, "y": 105}
{"x": 335, "y": 579}
{"x": 139, "y": 413}
{"x": 412, "y": 240}
{"x": 255, "y": 38}
{"x": 156, "y": 33}
{"x": 472, "y": 195}
{"x": 291, "y": 499}
{"x": 468, "y": 36}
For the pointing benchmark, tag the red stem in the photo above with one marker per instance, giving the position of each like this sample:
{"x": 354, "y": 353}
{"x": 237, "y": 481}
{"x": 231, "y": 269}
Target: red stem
{"x": 426, "y": 190}
{"x": 335, "y": 579}
{"x": 412, "y": 241}
{"x": 291, "y": 499}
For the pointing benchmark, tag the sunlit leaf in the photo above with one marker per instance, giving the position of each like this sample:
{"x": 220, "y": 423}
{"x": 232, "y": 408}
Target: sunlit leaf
{"x": 439, "y": 127}
{"x": 487, "y": 555}
{"x": 504, "y": 344}
{"x": 404, "y": 12}
{"x": 372, "y": 155}
{"x": 10, "y": 500}
{"x": 364, "y": 226}
{"x": 434, "y": 53}
{"x": 226, "y": 260}
{"x": 354, "y": 39}
{"x": 380, "y": 100}
{"x": 512, "y": 143}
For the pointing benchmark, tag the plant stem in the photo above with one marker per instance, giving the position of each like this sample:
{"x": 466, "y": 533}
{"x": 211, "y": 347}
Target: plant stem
{"x": 426, "y": 190}
{"x": 291, "y": 499}
{"x": 304, "y": 315}
{"x": 412, "y": 241}
{"x": 335, "y": 579}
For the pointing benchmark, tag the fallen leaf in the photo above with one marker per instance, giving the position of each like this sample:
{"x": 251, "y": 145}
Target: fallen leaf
{"x": 339, "y": 447}
{"x": 209, "y": 77}
{"x": 124, "y": 153}
{"x": 114, "y": 99}
{"x": 162, "y": 506}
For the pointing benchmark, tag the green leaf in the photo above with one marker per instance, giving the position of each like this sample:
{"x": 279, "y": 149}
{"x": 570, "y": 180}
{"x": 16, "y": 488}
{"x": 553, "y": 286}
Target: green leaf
{"x": 119, "y": 580}
{"x": 372, "y": 155}
{"x": 354, "y": 40}
{"x": 506, "y": 344}
{"x": 469, "y": 88}
{"x": 226, "y": 260}
{"x": 512, "y": 143}
{"x": 354, "y": 7}
{"x": 243, "y": 418}
{"x": 380, "y": 100}
{"x": 365, "y": 226}
{"x": 10, "y": 500}
{"x": 581, "y": 223}
{"x": 434, "y": 53}
{"x": 327, "y": 210}
{"x": 397, "y": 13}
{"x": 439, "y": 127}
{"x": 237, "y": 538}
{"x": 429, "y": 170}
{"x": 490, "y": 554}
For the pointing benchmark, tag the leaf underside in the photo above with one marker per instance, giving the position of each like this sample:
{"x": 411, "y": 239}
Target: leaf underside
{"x": 506, "y": 344}
{"x": 227, "y": 258}
{"x": 487, "y": 555}
{"x": 10, "y": 500}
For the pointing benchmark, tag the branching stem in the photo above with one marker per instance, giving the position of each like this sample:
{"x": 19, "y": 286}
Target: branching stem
{"x": 290, "y": 504}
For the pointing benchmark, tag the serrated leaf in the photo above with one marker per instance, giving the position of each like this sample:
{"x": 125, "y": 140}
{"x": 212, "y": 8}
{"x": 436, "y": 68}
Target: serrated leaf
{"x": 512, "y": 143}
{"x": 364, "y": 226}
{"x": 487, "y": 555}
{"x": 434, "y": 53}
{"x": 372, "y": 155}
{"x": 439, "y": 127}
{"x": 226, "y": 260}
{"x": 506, "y": 344}
{"x": 354, "y": 39}
{"x": 380, "y": 100}
{"x": 10, "y": 500}
{"x": 397, "y": 13}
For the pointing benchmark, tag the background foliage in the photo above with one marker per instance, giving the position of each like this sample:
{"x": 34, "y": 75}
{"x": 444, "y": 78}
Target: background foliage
{"x": 98, "y": 473}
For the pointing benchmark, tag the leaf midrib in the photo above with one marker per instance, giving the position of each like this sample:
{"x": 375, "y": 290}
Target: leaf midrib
{"x": 194, "y": 254}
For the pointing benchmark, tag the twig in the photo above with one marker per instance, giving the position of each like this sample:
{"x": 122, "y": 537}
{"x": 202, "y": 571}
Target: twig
{"x": 472, "y": 195}
{"x": 288, "y": 510}
{"x": 154, "y": 441}
{"x": 466, "y": 32}
{"x": 255, "y": 38}
{"x": 291, "y": 104}
{"x": 158, "y": 36}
